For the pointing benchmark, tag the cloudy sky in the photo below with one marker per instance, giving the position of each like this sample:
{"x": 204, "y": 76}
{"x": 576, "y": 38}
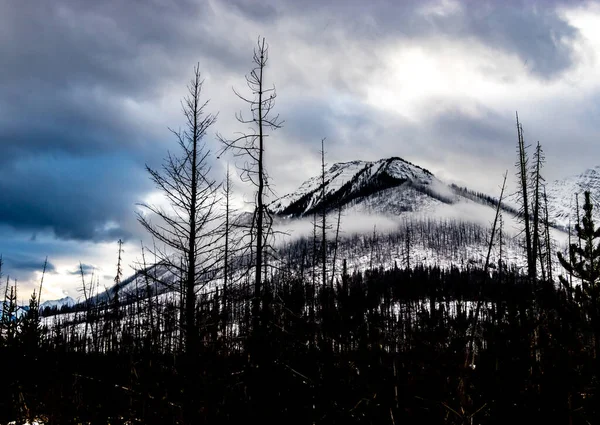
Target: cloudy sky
{"x": 89, "y": 89}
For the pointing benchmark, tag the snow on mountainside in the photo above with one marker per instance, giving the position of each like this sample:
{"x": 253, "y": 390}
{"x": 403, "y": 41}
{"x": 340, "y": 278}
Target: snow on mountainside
{"x": 66, "y": 301}
{"x": 389, "y": 191}
{"x": 391, "y": 187}
{"x": 156, "y": 279}
{"x": 347, "y": 181}
{"x": 561, "y": 195}
{"x": 391, "y": 200}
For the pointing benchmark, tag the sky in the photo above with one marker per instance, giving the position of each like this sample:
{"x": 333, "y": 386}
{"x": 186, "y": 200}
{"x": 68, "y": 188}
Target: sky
{"x": 89, "y": 90}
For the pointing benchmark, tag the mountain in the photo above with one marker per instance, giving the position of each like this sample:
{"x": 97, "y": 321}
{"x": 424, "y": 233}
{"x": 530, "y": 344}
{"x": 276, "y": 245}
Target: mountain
{"x": 21, "y": 310}
{"x": 58, "y": 304}
{"x": 561, "y": 195}
{"x": 349, "y": 183}
{"x": 392, "y": 187}
{"x": 386, "y": 205}
{"x": 155, "y": 279}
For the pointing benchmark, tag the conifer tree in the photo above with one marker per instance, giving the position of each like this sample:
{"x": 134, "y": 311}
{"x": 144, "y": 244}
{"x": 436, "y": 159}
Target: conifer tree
{"x": 584, "y": 263}
{"x": 31, "y": 327}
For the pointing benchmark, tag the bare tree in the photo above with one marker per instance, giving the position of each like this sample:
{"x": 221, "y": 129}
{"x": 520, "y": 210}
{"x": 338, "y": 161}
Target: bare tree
{"x": 537, "y": 183}
{"x": 251, "y": 147}
{"x": 228, "y": 244}
{"x": 323, "y": 214}
{"x": 86, "y": 290}
{"x": 187, "y": 230}
{"x": 522, "y": 166}
{"x": 470, "y": 357}
{"x": 336, "y": 243}
{"x": 145, "y": 273}
{"x": 548, "y": 237}
{"x": 116, "y": 301}
{"x": 188, "y": 227}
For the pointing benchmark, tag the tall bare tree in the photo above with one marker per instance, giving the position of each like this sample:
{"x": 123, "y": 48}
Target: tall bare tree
{"x": 537, "y": 183}
{"x": 251, "y": 147}
{"x": 522, "y": 175}
{"x": 229, "y": 245}
{"x": 323, "y": 218}
{"x": 188, "y": 226}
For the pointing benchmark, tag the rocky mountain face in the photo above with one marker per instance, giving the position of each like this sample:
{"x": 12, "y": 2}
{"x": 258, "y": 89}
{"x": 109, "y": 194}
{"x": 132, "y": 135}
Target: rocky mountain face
{"x": 390, "y": 186}
{"x": 349, "y": 183}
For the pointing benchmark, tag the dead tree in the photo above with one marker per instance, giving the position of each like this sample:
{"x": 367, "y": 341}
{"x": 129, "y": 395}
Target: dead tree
{"x": 323, "y": 214}
{"x": 116, "y": 302}
{"x": 86, "y": 290}
{"x": 548, "y": 237}
{"x": 470, "y": 358}
{"x": 522, "y": 166}
{"x": 228, "y": 244}
{"x": 336, "y": 243}
{"x": 470, "y": 351}
{"x": 188, "y": 226}
{"x": 145, "y": 273}
{"x": 251, "y": 147}
{"x": 537, "y": 182}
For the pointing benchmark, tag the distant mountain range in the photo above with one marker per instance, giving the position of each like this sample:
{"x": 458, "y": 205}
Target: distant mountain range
{"x": 58, "y": 304}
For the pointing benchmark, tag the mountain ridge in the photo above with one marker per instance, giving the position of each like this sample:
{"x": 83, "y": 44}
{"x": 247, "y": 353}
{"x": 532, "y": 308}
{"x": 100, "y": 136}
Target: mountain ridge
{"x": 346, "y": 181}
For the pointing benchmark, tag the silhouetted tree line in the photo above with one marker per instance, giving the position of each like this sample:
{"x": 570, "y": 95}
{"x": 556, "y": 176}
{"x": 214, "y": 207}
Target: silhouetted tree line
{"x": 383, "y": 346}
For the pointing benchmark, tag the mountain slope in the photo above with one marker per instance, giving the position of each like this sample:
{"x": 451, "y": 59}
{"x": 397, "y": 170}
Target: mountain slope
{"x": 561, "y": 195}
{"x": 348, "y": 181}
{"x": 58, "y": 304}
{"x": 390, "y": 186}
{"x": 390, "y": 200}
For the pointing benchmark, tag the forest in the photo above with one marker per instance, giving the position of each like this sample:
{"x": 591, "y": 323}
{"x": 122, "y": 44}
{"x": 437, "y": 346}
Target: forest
{"x": 221, "y": 324}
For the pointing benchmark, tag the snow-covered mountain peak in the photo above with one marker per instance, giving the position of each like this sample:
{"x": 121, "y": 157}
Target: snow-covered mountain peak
{"x": 66, "y": 301}
{"x": 347, "y": 181}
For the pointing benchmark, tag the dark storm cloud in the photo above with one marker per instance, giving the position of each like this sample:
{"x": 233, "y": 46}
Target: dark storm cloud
{"x": 126, "y": 47}
{"x": 73, "y": 80}
{"x": 75, "y": 198}
{"x": 533, "y": 31}
{"x": 23, "y": 263}
{"x": 64, "y": 85}
{"x": 60, "y": 123}
{"x": 256, "y": 11}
